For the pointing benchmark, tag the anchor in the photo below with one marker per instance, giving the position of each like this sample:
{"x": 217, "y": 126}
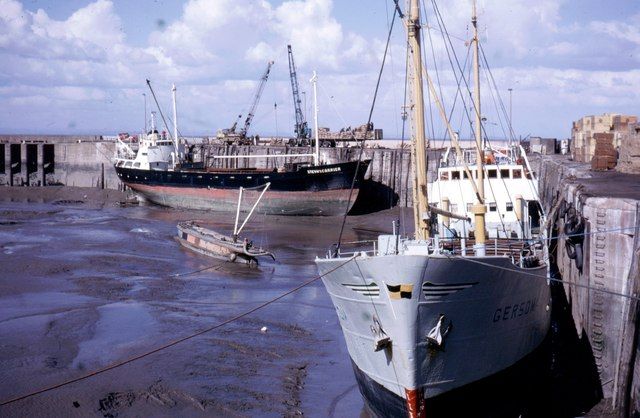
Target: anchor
{"x": 435, "y": 337}
{"x": 380, "y": 338}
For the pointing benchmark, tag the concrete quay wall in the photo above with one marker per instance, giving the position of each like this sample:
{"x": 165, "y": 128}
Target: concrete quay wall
{"x": 82, "y": 161}
{"x": 609, "y": 205}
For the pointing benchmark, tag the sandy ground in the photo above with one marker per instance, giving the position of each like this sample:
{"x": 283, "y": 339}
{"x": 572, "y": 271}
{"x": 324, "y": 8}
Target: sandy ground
{"x": 87, "y": 281}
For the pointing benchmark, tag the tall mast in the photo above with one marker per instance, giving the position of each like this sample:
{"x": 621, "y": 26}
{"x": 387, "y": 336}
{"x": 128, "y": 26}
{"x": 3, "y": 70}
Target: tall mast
{"x": 420, "y": 204}
{"x": 479, "y": 209}
{"x": 175, "y": 121}
{"x": 316, "y": 154}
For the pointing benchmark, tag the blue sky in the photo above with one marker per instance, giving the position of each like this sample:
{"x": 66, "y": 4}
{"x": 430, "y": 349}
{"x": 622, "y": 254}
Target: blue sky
{"x": 79, "y": 66}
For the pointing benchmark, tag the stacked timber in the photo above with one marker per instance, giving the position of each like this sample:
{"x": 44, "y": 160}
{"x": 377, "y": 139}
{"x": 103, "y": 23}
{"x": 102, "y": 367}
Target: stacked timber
{"x": 604, "y": 156}
{"x": 629, "y": 160}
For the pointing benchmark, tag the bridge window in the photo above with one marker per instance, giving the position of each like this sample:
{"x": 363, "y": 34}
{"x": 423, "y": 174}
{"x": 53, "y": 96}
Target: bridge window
{"x": 493, "y": 207}
{"x": 455, "y": 175}
{"x": 509, "y": 207}
{"x": 504, "y": 173}
{"x": 444, "y": 175}
{"x": 492, "y": 174}
{"x": 136, "y": 165}
{"x": 517, "y": 174}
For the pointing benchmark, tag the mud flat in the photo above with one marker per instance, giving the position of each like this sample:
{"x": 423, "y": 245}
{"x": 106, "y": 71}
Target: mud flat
{"x": 87, "y": 282}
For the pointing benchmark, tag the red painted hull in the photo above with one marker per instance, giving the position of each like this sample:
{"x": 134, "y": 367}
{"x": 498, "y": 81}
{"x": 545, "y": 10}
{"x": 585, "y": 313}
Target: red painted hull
{"x": 319, "y": 203}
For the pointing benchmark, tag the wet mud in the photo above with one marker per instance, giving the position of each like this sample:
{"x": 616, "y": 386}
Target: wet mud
{"x": 88, "y": 280}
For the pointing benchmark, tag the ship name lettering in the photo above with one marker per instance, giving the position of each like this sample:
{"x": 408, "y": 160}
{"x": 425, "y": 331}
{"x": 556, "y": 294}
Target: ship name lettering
{"x": 513, "y": 311}
{"x": 323, "y": 170}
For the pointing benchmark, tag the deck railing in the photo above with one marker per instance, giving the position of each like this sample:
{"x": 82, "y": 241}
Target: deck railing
{"x": 516, "y": 249}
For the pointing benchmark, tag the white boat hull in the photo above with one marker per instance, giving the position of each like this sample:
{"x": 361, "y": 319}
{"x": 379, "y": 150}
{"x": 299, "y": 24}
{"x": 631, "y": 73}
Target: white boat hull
{"x": 497, "y": 317}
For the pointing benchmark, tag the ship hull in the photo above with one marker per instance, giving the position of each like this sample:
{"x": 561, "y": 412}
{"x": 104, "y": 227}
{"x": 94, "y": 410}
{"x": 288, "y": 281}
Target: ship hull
{"x": 322, "y": 191}
{"x": 494, "y": 315}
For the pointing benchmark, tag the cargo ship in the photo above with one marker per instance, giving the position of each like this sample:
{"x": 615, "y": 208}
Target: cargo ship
{"x": 157, "y": 170}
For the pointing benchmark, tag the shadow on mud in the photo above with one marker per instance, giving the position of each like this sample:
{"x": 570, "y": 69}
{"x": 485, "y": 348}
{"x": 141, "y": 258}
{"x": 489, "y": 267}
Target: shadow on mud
{"x": 373, "y": 197}
{"x": 559, "y": 379}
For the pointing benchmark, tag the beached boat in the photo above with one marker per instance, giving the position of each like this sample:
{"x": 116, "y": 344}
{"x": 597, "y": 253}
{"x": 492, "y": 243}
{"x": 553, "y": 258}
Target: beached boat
{"x": 213, "y": 244}
{"x": 232, "y": 247}
{"x": 424, "y": 315}
{"x": 158, "y": 171}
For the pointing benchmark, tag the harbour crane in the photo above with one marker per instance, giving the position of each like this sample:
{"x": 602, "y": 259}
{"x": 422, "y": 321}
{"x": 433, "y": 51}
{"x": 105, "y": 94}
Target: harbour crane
{"x": 301, "y": 129}
{"x": 230, "y": 135}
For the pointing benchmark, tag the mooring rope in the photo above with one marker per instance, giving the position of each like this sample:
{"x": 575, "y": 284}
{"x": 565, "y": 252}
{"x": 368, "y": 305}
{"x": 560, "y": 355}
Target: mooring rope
{"x": 197, "y": 271}
{"x": 176, "y": 342}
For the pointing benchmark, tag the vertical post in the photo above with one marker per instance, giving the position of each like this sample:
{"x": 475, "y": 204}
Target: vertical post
{"x": 445, "y": 219}
{"x": 520, "y": 212}
{"x": 479, "y": 209}
{"x": 314, "y": 80}
{"x": 235, "y": 227}
{"x": 420, "y": 206}
{"x": 510, "y": 119}
{"x": 7, "y": 161}
{"x": 24, "y": 172}
{"x": 145, "y": 112}
{"x": 40, "y": 165}
{"x": 175, "y": 123}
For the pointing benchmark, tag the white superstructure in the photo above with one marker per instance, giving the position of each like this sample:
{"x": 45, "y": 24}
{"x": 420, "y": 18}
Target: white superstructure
{"x": 511, "y": 193}
{"x": 155, "y": 151}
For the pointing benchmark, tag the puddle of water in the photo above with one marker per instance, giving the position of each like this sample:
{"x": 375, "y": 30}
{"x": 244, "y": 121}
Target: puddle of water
{"x": 122, "y": 327}
{"x": 27, "y": 304}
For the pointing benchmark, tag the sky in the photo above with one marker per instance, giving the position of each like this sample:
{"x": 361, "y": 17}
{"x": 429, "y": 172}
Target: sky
{"x": 79, "y": 66}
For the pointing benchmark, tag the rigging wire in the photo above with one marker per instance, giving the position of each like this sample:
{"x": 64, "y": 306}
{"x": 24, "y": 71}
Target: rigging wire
{"x": 435, "y": 65}
{"x": 155, "y": 99}
{"x": 362, "y": 143}
{"x": 598, "y": 289}
{"x": 175, "y": 342}
{"x": 452, "y": 53}
{"x": 404, "y": 123}
{"x": 393, "y": 89}
{"x": 503, "y": 107}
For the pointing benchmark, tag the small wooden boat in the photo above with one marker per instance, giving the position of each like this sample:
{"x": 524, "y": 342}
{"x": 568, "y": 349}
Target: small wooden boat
{"x": 195, "y": 237}
{"x": 213, "y": 244}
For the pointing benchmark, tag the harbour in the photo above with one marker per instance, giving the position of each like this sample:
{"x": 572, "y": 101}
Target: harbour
{"x": 579, "y": 359}
{"x": 462, "y": 269}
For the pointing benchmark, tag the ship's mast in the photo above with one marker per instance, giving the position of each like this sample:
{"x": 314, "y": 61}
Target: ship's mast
{"x": 420, "y": 204}
{"x": 316, "y": 154}
{"x": 175, "y": 123}
{"x": 479, "y": 209}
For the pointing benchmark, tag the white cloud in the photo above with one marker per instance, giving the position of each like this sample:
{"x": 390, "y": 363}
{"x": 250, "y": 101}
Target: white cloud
{"x": 216, "y": 50}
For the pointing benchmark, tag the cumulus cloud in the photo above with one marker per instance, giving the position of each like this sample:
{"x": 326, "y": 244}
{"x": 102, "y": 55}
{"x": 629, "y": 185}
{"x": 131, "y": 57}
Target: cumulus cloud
{"x": 216, "y": 50}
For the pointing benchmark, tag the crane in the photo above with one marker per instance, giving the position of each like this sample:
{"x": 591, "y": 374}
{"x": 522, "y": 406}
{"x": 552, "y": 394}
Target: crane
{"x": 256, "y": 99}
{"x": 301, "y": 129}
{"x": 230, "y": 134}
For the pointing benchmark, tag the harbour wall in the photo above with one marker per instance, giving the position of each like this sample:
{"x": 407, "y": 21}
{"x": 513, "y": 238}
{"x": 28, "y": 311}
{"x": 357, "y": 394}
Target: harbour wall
{"x": 598, "y": 265}
{"x": 82, "y": 161}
